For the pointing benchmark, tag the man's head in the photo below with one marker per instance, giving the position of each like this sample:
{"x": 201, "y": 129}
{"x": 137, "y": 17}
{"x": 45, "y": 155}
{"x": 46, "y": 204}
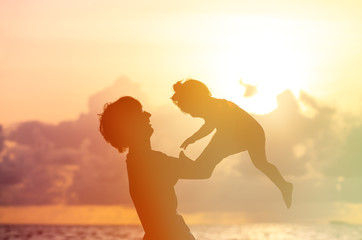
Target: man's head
{"x": 123, "y": 123}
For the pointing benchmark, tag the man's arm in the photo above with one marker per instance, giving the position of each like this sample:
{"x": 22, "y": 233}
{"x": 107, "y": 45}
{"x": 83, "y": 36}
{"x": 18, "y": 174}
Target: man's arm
{"x": 198, "y": 169}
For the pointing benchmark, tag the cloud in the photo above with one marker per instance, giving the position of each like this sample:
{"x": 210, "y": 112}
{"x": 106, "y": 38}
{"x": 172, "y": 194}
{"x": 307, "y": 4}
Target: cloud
{"x": 1, "y": 138}
{"x": 121, "y": 87}
{"x": 295, "y": 140}
{"x": 250, "y": 90}
{"x": 348, "y": 162}
{"x": 70, "y": 163}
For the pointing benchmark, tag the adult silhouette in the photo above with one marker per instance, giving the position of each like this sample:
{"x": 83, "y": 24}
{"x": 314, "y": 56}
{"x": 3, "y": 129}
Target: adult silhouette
{"x": 152, "y": 175}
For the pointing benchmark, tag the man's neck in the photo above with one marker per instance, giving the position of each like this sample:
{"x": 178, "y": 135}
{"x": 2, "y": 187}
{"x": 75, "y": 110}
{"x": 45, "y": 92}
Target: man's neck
{"x": 140, "y": 148}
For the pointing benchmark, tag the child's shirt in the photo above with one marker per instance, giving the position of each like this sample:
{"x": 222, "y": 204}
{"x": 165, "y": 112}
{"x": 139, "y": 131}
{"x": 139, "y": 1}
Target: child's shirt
{"x": 228, "y": 118}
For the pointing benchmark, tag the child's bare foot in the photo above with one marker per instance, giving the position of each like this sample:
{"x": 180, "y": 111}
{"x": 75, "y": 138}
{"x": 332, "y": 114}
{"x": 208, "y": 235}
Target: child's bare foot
{"x": 287, "y": 194}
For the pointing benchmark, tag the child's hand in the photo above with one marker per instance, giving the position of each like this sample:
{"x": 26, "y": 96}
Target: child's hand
{"x": 186, "y": 143}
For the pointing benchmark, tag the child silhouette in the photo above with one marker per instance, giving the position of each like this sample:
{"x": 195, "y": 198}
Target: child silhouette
{"x": 236, "y": 130}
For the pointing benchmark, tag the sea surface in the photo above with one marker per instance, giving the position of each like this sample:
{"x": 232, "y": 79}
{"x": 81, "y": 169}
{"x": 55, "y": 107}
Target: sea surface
{"x": 204, "y": 232}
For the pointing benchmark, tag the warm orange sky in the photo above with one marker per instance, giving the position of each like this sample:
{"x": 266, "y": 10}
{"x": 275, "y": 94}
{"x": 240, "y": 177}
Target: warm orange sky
{"x": 55, "y": 55}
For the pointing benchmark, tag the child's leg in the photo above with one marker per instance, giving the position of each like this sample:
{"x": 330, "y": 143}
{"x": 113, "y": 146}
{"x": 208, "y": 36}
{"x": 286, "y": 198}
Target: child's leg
{"x": 258, "y": 157}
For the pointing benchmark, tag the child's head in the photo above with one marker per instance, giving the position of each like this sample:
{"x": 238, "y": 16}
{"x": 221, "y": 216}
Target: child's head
{"x": 190, "y": 95}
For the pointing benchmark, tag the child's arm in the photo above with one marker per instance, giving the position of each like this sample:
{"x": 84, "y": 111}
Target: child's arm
{"x": 205, "y": 130}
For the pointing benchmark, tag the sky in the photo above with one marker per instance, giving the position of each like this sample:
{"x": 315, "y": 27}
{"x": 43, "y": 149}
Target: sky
{"x": 296, "y": 66}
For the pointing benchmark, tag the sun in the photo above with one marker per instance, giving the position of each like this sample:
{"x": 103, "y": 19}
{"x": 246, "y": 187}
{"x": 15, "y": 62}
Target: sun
{"x": 272, "y": 60}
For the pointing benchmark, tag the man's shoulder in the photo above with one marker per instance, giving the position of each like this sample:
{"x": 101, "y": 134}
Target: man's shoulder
{"x": 161, "y": 155}
{"x": 152, "y": 157}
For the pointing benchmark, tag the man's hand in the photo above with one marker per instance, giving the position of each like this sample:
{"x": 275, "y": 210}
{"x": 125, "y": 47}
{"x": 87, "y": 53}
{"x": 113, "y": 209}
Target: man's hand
{"x": 182, "y": 156}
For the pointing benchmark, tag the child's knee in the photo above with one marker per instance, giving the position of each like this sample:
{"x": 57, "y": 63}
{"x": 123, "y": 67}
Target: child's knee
{"x": 260, "y": 164}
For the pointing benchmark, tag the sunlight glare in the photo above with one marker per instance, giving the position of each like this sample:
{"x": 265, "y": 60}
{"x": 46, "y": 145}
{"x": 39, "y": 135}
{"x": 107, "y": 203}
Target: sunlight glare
{"x": 271, "y": 58}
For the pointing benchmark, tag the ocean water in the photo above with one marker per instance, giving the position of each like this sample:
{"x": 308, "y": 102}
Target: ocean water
{"x": 205, "y": 232}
